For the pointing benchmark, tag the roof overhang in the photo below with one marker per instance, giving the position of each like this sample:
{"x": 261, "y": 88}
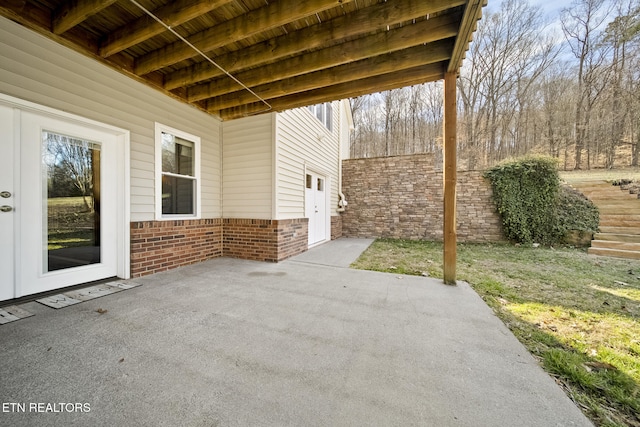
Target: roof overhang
{"x": 234, "y": 58}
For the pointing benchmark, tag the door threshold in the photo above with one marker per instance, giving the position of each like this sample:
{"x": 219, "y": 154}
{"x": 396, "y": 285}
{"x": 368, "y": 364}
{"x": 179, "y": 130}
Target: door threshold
{"x": 40, "y": 295}
{"x": 315, "y": 245}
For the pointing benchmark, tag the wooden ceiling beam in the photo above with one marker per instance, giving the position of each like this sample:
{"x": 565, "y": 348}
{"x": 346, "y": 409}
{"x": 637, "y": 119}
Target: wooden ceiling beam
{"x": 74, "y": 12}
{"x": 351, "y": 72}
{"x": 266, "y": 18}
{"x": 372, "y": 18}
{"x": 39, "y": 20}
{"x": 421, "y": 32}
{"x": 470, "y": 18}
{"x": 28, "y": 15}
{"x": 395, "y": 80}
{"x": 383, "y": 46}
{"x": 145, "y": 27}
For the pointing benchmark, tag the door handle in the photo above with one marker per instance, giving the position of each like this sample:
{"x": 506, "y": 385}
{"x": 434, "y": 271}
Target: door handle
{"x": 6, "y": 208}
{"x": 5, "y": 194}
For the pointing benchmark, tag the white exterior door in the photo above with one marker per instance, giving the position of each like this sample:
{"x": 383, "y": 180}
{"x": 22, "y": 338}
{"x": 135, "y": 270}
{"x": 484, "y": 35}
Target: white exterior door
{"x": 59, "y": 217}
{"x": 7, "y": 204}
{"x": 316, "y": 207}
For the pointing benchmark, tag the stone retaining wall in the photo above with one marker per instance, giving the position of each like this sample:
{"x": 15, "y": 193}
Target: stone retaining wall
{"x": 402, "y": 197}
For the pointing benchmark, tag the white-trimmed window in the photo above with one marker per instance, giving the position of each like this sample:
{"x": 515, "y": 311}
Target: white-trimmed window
{"x": 324, "y": 113}
{"x": 177, "y": 173}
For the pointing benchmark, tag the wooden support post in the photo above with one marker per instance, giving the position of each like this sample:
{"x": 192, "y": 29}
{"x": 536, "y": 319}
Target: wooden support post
{"x": 450, "y": 177}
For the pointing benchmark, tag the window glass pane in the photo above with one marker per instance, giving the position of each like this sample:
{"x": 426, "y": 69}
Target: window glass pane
{"x": 320, "y": 184}
{"x": 184, "y": 155}
{"x": 178, "y": 195}
{"x": 72, "y": 208}
{"x": 324, "y": 113}
{"x": 320, "y": 112}
{"x": 177, "y": 155}
{"x": 309, "y": 184}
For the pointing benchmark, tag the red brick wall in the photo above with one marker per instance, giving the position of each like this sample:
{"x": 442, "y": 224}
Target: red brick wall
{"x": 161, "y": 245}
{"x": 263, "y": 239}
{"x": 402, "y": 197}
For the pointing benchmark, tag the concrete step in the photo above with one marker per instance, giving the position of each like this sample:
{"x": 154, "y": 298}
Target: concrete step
{"x": 630, "y": 238}
{"x": 602, "y": 187}
{"x": 632, "y": 217}
{"x": 617, "y": 253}
{"x": 592, "y": 182}
{"x": 619, "y": 221}
{"x": 611, "y": 244}
{"x": 622, "y": 200}
{"x": 592, "y": 187}
{"x": 620, "y": 230}
{"x": 610, "y": 196}
{"x": 631, "y": 204}
{"x": 617, "y": 209}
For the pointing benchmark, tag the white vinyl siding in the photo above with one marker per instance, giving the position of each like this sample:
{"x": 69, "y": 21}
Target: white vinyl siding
{"x": 304, "y": 143}
{"x": 248, "y": 167}
{"x": 38, "y": 70}
{"x": 346, "y": 126}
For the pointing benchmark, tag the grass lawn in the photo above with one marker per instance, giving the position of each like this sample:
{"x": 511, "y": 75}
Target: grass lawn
{"x": 578, "y": 314}
{"x": 631, "y": 173}
{"x": 69, "y": 223}
{"x": 60, "y": 239}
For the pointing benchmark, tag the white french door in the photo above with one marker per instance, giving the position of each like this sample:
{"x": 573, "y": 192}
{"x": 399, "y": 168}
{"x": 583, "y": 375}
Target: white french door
{"x": 316, "y": 207}
{"x": 59, "y": 217}
{"x": 7, "y": 204}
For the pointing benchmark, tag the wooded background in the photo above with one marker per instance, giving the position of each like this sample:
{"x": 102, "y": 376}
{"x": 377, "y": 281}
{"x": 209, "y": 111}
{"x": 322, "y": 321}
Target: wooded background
{"x": 569, "y": 88}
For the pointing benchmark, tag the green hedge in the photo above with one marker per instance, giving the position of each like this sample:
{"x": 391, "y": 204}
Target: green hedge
{"x": 533, "y": 205}
{"x": 576, "y": 212}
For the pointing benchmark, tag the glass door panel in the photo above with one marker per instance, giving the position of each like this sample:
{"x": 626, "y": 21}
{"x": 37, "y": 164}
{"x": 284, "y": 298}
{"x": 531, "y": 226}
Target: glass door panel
{"x": 68, "y": 216}
{"x": 71, "y": 175}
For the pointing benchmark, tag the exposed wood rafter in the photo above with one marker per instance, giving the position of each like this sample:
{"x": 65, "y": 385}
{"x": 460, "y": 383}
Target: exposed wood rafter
{"x": 145, "y": 27}
{"x": 414, "y": 76}
{"x": 289, "y": 53}
{"x": 472, "y": 14}
{"x": 359, "y": 23}
{"x": 74, "y": 12}
{"x": 350, "y": 72}
{"x": 266, "y": 18}
{"x": 379, "y": 44}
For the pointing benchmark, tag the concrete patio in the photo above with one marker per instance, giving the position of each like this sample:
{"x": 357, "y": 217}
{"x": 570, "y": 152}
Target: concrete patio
{"x": 306, "y": 342}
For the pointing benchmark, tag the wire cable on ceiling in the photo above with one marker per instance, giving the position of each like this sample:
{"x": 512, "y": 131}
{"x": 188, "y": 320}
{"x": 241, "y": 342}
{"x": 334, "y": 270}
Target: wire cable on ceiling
{"x": 207, "y": 58}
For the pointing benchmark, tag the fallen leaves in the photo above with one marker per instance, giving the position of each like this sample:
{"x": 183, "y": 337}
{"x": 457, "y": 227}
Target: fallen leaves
{"x": 544, "y": 325}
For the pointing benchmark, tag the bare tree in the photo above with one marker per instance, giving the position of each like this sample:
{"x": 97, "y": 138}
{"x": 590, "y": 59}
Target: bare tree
{"x": 557, "y": 95}
{"x": 506, "y": 59}
{"x": 432, "y": 116}
{"x": 74, "y": 160}
{"x": 581, "y": 23}
{"x": 519, "y": 94}
{"x": 356, "y": 105}
{"x": 620, "y": 34}
{"x": 633, "y": 96}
